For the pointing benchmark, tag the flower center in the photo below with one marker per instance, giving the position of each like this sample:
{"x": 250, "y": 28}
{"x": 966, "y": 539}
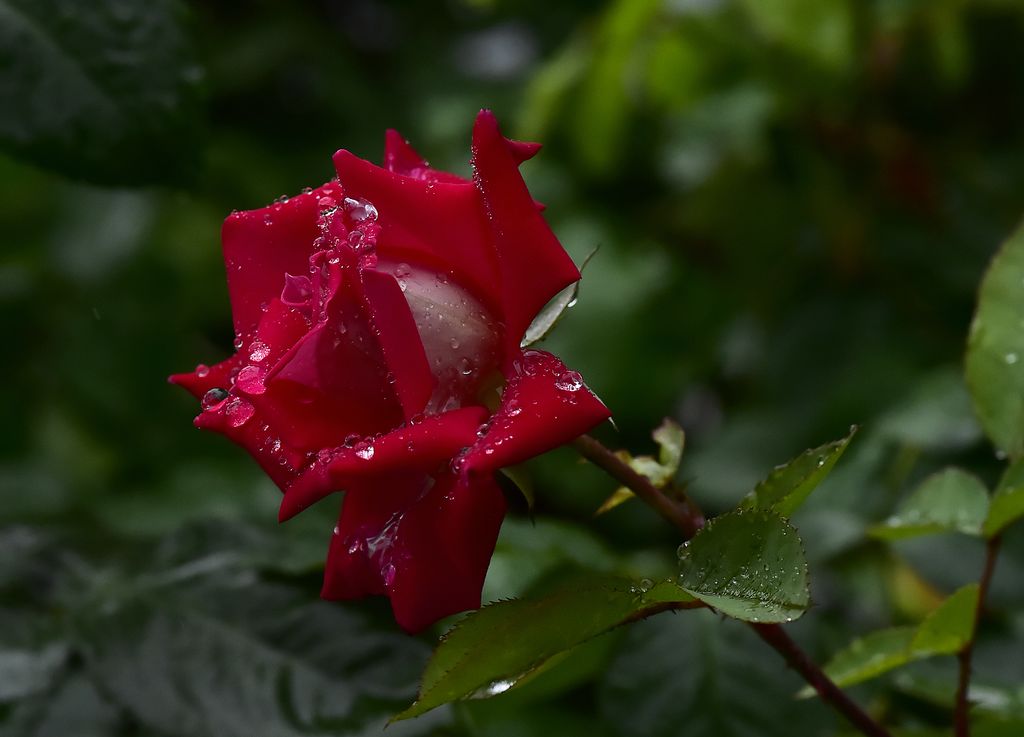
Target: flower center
{"x": 459, "y": 336}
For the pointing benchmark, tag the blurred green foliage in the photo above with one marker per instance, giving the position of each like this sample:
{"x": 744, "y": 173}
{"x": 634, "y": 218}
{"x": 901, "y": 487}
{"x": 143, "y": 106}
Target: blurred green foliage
{"x": 794, "y": 200}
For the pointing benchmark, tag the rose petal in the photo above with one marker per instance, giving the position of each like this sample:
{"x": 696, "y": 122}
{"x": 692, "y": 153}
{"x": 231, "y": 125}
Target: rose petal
{"x": 334, "y": 381}
{"x": 204, "y": 378}
{"x": 245, "y": 428}
{"x": 532, "y": 263}
{"x": 544, "y": 405}
{"x": 402, "y": 158}
{"x": 430, "y": 558}
{"x": 365, "y": 534}
{"x": 420, "y": 446}
{"x": 439, "y": 225}
{"x": 522, "y": 150}
{"x": 260, "y": 246}
{"x": 280, "y": 327}
{"x": 400, "y": 341}
{"x": 444, "y": 548}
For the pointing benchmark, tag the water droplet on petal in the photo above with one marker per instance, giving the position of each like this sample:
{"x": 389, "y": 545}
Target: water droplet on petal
{"x": 202, "y": 370}
{"x": 250, "y": 380}
{"x": 213, "y": 397}
{"x": 238, "y": 411}
{"x": 258, "y": 351}
{"x": 569, "y": 381}
{"x": 360, "y": 210}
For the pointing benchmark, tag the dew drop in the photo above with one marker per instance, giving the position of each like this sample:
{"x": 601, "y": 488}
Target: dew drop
{"x": 499, "y": 687}
{"x": 202, "y": 370}
{"x": 239, "y": 411}
{"x": 569, "y": 381}
{"x": 213, "y": 397}
{"x": 360, "y": 210}
{"x": 258, "y": 351}
{"x": 250, "y": 380}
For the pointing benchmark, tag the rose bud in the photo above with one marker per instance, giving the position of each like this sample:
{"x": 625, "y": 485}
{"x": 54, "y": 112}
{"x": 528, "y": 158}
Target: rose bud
{"x": 379, "y": 320}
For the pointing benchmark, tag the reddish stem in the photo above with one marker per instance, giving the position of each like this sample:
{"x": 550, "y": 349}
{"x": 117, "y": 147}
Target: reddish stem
{"x": 961, "y": 711}
{"x": 686, "y": 515}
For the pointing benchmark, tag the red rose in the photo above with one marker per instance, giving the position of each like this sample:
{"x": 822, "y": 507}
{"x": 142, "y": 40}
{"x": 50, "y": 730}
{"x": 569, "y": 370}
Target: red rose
{"x": 378, "y": 322}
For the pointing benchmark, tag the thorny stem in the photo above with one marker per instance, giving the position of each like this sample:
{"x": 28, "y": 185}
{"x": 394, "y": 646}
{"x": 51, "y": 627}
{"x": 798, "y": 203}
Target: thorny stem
{"x": 684, "y": 514}
{"x": 962, "y": 709}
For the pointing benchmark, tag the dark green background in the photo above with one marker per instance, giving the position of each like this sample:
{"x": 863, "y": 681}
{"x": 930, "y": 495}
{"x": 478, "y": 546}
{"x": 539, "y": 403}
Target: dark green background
{"x": 794, "y": 201}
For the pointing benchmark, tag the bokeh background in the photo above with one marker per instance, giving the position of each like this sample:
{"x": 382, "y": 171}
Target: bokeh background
{"x": 793, "y": 202}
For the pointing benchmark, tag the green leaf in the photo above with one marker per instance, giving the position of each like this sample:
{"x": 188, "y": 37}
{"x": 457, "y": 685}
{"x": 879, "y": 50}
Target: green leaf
{"x": 822, "y": 31}
{"x": 602, "y": 108}
{"x": 106, "y": 91}
{"x": 701, "y": 676}
{"x": 520, "y": 478}
{"x": 198, "y": 644}
{"x": 943, "y": 632}
{"x": 555, "y": 310}
{"x": 620, "y": 496}
{"x": 316, "y": 670}
{"x": 936, "y": 415}
{"x": 947, "y": 629}
{"x": 951, "y": 500}
{"x": 748, "y": 565}
{"x": 529, "y": 552}
{"x": 659, "y": 471}
{"x": 869, "y": 656}
{"x": 26, "y": 672}
{"x": 71, "y": 707}
{"x": 491, "y": 650}
{"x": 789, "y": 485}
{"x": 995, "y": 349}
{"x": 1007, "y": 504}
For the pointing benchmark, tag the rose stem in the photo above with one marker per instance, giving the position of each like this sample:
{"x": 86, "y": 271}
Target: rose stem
{"x": 685, "y": 515}
{"x": 962, "y": 708}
